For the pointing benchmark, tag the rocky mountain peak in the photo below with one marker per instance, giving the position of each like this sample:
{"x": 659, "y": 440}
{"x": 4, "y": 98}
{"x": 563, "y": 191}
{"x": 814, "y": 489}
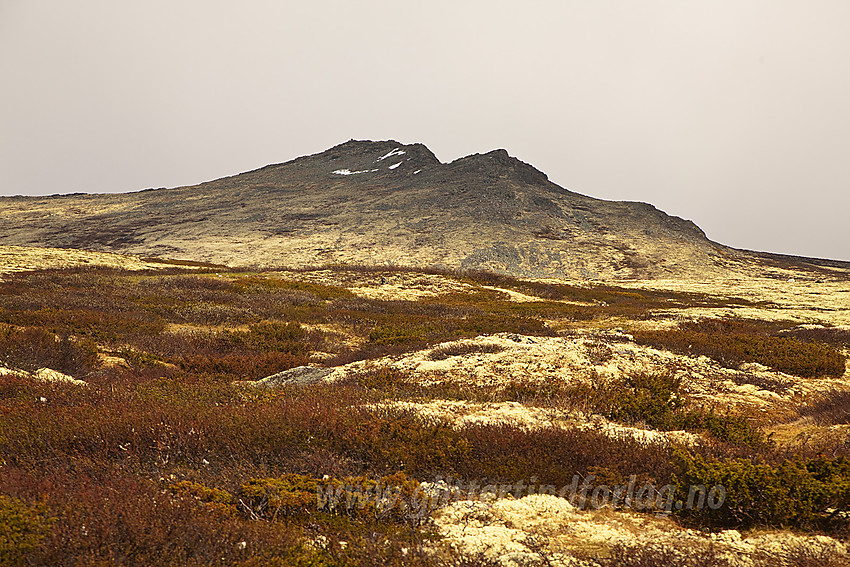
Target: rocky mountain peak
{"x": 378, "y": 202}
{"x": 498, "y": 164}
{"x": 370, "y": 158}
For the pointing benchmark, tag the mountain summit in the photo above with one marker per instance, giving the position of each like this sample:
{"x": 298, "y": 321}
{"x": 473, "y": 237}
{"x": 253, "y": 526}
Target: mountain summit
{"x": 379, "y": 202}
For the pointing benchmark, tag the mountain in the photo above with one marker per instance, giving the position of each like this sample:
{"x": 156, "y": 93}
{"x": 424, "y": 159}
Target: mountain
{"x": 385, "y": 202}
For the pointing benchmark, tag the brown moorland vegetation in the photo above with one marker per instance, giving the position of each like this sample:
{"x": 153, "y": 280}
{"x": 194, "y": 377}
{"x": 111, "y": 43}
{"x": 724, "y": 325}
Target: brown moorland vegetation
{"x": 160, "y": 460}
{"x": 735, "y": 341}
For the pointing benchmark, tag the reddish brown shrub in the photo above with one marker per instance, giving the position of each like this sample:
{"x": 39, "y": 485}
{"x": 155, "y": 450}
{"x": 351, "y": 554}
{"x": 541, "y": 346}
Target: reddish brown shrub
{"x": 733, "y": 342}
{"x": 33, "y": 348}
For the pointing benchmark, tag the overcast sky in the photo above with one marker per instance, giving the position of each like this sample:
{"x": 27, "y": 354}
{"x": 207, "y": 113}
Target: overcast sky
{"x": 734, "y": 114}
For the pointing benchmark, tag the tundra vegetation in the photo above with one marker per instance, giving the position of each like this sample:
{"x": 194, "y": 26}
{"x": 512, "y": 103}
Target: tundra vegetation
{"x": 161, "y": 460}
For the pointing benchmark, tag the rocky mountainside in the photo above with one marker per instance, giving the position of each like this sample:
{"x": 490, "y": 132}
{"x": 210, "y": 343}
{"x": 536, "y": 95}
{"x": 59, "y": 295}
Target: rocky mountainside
{"x": 384, "y": 202}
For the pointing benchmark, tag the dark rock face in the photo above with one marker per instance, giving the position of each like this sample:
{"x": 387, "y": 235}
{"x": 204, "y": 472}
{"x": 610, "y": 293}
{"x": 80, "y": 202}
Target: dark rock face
{"x": 376, "y": 203}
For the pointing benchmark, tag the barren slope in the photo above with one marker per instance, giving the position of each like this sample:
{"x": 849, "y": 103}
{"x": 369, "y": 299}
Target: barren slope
{"x": 377, "y": 203}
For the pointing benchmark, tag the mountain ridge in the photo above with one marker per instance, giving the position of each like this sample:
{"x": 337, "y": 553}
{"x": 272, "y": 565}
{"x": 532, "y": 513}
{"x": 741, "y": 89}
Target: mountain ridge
{"x": 380, "y": 202}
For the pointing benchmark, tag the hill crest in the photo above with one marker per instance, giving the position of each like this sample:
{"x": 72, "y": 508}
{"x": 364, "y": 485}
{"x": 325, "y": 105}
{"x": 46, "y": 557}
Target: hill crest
{"x": 383, "y": 202}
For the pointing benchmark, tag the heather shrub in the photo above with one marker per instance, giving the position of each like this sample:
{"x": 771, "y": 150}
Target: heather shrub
{"x": 624, "y": 555}
{"x": 826, "y": 335}
{"x": 830, "y": 408}
{"x": 599, "y": 353}
{"x": 115, "y": 520}
{"x": 213, "y": 314}
{"x": 34, "y": 348}
{"x": 421, "y": 331}
{"x": 776, "y": 384}
{"x": 16, "y": 388}
{"x": 94, "y": 323}
{"x": 793, "y": 555}
{"x": 806, "y": 555}
{"x": 241, "y": 366}
{"x": 319, "y": 291}
{"x": 542, "y": 393}
{"x": 388, "y": 381}
{"x": 165, "y": 462}
{"x": 733, "y": 342}
{"x": 460, "y": 349}
{"x": 506, "y": 453}
{"x": 401, "y": 326}
{"x": 620, "y": 300}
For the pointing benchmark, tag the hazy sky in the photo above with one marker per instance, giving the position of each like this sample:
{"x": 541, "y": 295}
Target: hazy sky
{"x": 734, "y": 114}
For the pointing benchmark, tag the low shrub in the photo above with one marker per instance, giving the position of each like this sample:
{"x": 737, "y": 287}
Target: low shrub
{"x": 831, "y": 408}
{"x": 33, "y": 348}
{"x": 624, "y": 555}
{"x": 776, "y": 384}
{"x": 599, "y": 353}
{"x": 826, "y": 335}
{"x": 22, "y": 528}
{"x": 794, "y": 492}
{"x": 390, "y": 497}
{"x": 116, "y": 520}
{"x": 460, "y": 349}
{"x": 790, "y": 555}
{"x": 430, "y": 329}
{"x": 733, "y": 342}
{"x": 221, "y": 498}
{"x": 320, "y": 291}
{"x": 240, "y": 365}
{"x": 268, "y": 336}
{"x": 94, "y": 323}
{"x": 649, "y": 397}
{"x": 653, "y": 398}
{"x": 401, "y": 333}
{"x": 729, "y": 428}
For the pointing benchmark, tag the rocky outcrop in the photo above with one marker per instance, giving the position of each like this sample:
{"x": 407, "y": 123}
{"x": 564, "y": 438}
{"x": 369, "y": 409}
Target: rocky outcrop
{"x": 42, "y": 375}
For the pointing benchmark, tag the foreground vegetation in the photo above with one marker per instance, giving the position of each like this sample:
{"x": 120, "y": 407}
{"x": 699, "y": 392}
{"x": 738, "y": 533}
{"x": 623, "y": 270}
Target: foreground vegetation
{"x": 159, "y": 460}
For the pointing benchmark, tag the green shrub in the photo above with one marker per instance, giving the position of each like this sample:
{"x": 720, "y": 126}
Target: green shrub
{"x": 22, "y": 527}
{"x": 648, "y": 397}
{"x": 733, "y": 429}
{"x": 294, "y": 494}
{"x": 794, "y": 492}
{"x": 653, "y": 398}
{"x": 394, "y": 334}
{"x": 203, "y": 493}
{"x": 273, "y": 336}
